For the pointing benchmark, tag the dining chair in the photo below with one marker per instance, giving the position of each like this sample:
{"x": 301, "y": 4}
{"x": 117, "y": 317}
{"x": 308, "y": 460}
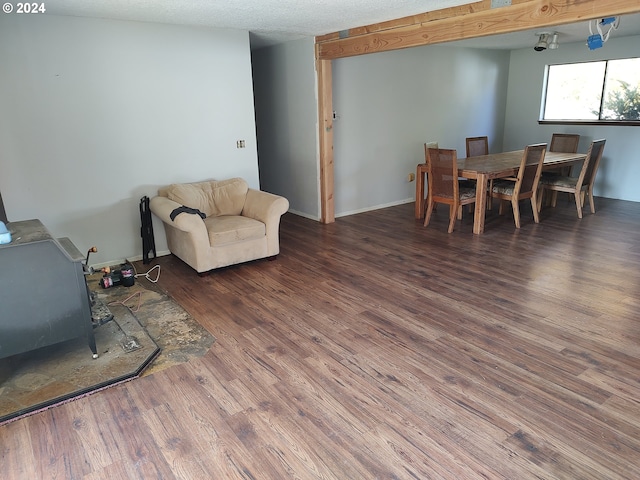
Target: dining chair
{"x": 579, "y": 186}
{"x": 567, "y": 143}
{"x": 421, "y": 170}
{"x": 524, "y": 185}
{"x": 477, "y": 146}
{"x": 564, "y": 142}
{"x": 442, "y": 175}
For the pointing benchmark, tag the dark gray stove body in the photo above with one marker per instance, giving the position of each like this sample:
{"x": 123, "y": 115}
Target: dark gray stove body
{"x": 43, "y": 293}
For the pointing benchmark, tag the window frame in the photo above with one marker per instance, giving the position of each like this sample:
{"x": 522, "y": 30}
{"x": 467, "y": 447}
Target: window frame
{"x": 543, "y": 100}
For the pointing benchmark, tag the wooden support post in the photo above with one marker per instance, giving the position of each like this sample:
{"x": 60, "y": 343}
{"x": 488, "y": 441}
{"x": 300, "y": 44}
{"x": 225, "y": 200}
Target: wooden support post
{"x": 325, "y": 122}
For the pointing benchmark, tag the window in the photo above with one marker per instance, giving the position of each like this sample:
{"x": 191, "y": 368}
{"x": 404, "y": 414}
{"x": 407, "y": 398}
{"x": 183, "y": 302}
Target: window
{"x": 605, "y": 91}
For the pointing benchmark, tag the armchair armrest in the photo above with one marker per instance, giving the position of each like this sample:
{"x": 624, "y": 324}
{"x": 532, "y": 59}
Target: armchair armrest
{"x": 162, "y": 208}
{"x": 264, "y": 206}
{"x": 267, "y": 208}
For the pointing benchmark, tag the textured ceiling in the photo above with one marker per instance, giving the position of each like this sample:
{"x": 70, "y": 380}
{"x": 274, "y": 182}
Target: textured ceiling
{"x": 269, "y": 21}
{"x": 275, "y": 21}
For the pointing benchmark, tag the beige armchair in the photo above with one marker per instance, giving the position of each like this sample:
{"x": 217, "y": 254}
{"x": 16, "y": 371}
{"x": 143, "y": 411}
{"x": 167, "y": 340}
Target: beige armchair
{"x": 214, "y": 224}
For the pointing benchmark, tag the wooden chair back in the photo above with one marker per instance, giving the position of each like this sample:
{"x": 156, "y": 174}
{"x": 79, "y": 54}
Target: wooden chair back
{"x": 442, "y": 173}
{"x": 583, "y": 184}
{"x": 477, "y": 146}
{"x": 564, "y": 142}
{"x": 591, "y": 162}
{"x": 427, "y": 146}
{"x": 530, "y": 170}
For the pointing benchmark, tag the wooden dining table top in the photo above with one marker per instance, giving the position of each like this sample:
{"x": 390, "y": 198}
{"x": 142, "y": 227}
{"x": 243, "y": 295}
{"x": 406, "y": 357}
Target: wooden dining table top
{"x": 496, "y": 165}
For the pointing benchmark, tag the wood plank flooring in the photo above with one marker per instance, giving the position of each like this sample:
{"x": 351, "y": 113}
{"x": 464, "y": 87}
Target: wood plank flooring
{"x": 374, "y": 348}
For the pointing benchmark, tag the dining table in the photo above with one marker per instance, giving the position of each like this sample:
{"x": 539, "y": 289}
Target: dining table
{"x": 484, "y": 168}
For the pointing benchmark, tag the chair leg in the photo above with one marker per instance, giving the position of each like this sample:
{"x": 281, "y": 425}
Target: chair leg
{"x": 539, "y": 197}
{"x": 427, "y": 217}
{"x": 534, "y": 207}
{"x": 578, "y": 203}
{"x": 424, "y": 206}
{"x": 501, "y": 207}
{"x": 460, "y": 212}
{"x": 489, "y": 197}
{"x": 453, "y": 210}
{"x": 591, "y": 204}
{"x": 516, "y": 212}
{"x": 554, "y": 198}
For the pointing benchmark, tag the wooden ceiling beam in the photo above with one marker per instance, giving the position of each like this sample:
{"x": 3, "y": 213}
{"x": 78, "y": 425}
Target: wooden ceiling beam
{"x": 411, "y": 20}
{"x": 467, "y": 21}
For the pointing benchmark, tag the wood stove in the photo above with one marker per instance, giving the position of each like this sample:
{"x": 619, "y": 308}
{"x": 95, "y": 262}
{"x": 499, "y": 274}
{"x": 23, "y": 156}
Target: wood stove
{"x": 44, "y": 297}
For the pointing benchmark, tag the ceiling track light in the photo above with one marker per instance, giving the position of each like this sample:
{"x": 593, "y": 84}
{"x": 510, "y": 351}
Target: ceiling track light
{"x": 546, "y": 40}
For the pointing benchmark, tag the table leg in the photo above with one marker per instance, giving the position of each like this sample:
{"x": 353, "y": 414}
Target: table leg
{"x": 419, "y": 208}
{"x": 481, "y": 204}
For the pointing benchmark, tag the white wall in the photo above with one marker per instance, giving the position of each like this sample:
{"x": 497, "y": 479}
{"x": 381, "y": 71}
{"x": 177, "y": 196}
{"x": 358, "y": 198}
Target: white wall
{"x": 95, "y": 114}
{"x": 287, "y": 123}
{"x": 620, "y": 166}
{"x": 388, "y": 104}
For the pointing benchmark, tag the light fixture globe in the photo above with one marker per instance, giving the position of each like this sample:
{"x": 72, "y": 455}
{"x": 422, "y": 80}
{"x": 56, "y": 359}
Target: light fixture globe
{"x": 552, "y": 42}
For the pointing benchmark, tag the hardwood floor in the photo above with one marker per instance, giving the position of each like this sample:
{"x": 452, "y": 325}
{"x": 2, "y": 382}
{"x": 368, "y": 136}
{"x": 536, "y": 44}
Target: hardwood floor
{"x": 376, "y": 348}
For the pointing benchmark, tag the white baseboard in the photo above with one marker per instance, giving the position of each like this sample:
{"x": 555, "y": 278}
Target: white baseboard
{"x": 376, "y": 207}
{"x": 135, "y": 258}
{"x": 305, "y": 215}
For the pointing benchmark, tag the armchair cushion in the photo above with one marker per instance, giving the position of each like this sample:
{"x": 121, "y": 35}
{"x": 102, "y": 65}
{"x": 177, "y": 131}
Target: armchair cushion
{"x": 189, "y": 196}
{"x": 231, "y": 228}
{"x": 225, "y": 197}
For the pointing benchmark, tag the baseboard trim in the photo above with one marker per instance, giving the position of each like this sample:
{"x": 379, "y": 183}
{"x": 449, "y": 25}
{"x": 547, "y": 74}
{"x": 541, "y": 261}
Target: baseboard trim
{"x": 375, "y": 207}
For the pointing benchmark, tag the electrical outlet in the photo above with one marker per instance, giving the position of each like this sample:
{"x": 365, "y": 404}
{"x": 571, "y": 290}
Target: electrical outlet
{"x": 240, "y": 144}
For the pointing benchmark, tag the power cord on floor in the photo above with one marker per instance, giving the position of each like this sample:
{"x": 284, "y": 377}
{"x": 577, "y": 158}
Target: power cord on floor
{"x": 124, "y": 302}
{"x": 147, "y": 274}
